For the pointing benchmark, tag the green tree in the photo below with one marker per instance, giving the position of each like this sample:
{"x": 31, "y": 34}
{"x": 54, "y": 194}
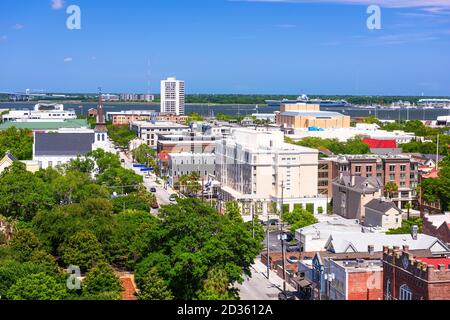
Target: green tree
{"x": 38, "y": 286}
{"x": 144, "y": 155}
{"x": 217, "y": 287}
{"x": 24, "y": 244}
{"x": 408, "y": 207}
{"x": 82, "y": 250}
{"x": 101, "y": 280}
{"x": 390, "y": 188}
{"x": 18, "y": 141}
{"x": 299, "y": 218}
{"x": 183, "y": 249}
{"x": 121, "y": 135}
{"x": 22, "y": 194}
{"x": 153, "y": 287}
{"x": 123, "y": 247}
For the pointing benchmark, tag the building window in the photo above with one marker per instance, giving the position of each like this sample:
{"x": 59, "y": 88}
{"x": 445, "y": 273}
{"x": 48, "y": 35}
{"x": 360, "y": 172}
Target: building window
{"x": 392, "y": 177}
{"x": 369, "y": 168}
{"x": 358, "y": 169}
{"x": 405, "y": 293}
{"x": 392, "y": 168}
{"x": 403, "y": 168}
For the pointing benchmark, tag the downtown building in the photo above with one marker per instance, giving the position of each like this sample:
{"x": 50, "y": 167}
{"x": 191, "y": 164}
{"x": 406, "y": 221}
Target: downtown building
{"x": 403, "y": 170}
{"x": 263, "y": 173}
{"x": 172, "y": 96}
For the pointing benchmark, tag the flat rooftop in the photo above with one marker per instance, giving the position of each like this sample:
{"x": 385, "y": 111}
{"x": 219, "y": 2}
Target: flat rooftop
{"x": 43, "y": 125}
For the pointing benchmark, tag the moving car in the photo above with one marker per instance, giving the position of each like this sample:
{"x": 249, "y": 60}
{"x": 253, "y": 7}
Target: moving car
{"x": 153, "y": 189}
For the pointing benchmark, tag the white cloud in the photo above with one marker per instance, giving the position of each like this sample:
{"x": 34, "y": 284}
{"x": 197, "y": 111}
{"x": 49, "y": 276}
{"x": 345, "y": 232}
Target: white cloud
{"x": 18, "y": 26}
{"x": 434, "y": 5}
{"x": 3, "y": 38}
{"x": 68, "y": 59}
{"x": 58, "y": 4}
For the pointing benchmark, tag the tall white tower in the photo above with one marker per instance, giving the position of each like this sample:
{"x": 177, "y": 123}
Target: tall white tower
{"x": 172, "y": 96}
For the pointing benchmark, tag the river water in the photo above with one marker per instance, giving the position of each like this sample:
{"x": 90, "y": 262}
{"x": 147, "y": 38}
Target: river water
{"x": 207, "y": 110}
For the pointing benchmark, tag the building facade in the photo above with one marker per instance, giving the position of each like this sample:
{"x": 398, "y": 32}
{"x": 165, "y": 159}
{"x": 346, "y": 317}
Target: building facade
{"x": 172, "y": 96}
{"x": 185, "y": 163}
{"x": 258, "y": 166}
{"x": 123, "y": 118}
{"x": 41, "y": 112}
{"x": 303, "y": 115}
{"x": 408, "y": 277}
{"x": 399, "y": 169}
{"x": 148, "y": 131}
{"x": 352, "y": 193}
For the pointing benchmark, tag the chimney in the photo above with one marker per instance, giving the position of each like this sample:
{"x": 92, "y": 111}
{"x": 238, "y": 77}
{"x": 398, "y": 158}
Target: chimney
{"x": 353, "y": 180}
{"x": 371, "y": 250}
{"x": 414, "y": 232}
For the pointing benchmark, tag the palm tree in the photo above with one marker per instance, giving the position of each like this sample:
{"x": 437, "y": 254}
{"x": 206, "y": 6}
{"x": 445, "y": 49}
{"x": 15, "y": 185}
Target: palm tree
{"x": 390, "y": 188}
{"x": 408, "y": 207}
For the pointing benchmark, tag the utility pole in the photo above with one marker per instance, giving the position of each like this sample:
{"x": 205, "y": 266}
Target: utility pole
{"x": 437, "y": 154}
{"x": 268, "y": 247}
{"x": 282, "y": 237}
{"x": 252, "y": 208}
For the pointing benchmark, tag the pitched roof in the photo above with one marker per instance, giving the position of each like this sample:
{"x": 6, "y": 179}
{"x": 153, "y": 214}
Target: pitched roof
{"x": 359, "y": 242}
{"x": 382, "y": 206}
{"x": 63, "y": 144}
{"x": 361, "y": 184}
{"x": 380, "y": 144}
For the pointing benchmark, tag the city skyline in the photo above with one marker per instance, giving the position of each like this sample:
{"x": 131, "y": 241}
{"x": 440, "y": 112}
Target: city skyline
{"x": 220, "y": 46}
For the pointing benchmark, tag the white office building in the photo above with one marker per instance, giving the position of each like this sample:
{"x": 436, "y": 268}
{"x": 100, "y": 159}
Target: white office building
{"x": 148, "y": 131}
{"x": 260, "y": 171}
{"x": 41, "y": 112}
{"x": 172, "y": 96}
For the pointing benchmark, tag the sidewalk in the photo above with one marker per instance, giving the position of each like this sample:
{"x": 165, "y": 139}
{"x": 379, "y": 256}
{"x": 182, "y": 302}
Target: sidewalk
{"x": 274, "y": 279}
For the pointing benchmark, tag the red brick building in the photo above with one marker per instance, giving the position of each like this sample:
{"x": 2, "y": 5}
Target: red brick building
{"x": 406, "y": 277}
{"x": 400, "y": 169}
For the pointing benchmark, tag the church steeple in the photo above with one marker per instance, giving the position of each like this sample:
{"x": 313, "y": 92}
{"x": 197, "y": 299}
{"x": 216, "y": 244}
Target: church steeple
{"x": 100, "y": 126}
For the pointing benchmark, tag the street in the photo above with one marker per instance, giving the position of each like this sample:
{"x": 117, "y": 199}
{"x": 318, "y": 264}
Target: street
{"x": 258, "y": 287}
{"x": 162, "y": 195}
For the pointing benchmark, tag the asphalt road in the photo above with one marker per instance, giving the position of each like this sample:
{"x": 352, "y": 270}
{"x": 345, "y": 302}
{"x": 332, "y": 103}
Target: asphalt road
{"x": 162, "y": 195}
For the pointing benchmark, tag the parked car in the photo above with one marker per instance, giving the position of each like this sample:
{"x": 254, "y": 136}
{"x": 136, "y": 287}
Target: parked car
{"x": 294, "y": 248}
{"x": 271, "y": 222}
{"x": 173, "y": 197}
{"x": 287, "y": 296}
{"x": 122, "y": 160}
{"x": 153, "y": 189}
{"x": 292, "y": 259}
{"x": 155, "y": 205}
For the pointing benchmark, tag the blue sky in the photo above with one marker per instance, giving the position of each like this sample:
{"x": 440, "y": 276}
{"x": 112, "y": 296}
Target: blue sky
{"x": 222, "y": 46}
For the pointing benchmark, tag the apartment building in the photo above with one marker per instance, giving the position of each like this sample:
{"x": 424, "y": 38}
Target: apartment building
{"x": 148, "y": 131}
{"x": 169, "y": 117}
{"x": 351, "y": 193}
{"x": 403, "y": 170}
{"x": 172, "y": 96}
{"x": 124, "y": 118}
{"x": 259, "y": 167}
{"x": 185, "y": 163}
